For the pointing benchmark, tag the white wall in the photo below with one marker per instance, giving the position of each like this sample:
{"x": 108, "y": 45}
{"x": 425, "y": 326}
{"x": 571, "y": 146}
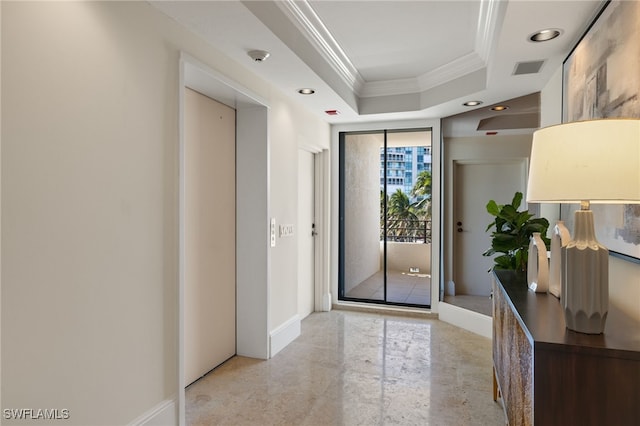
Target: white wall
{"x": 550, "y": 114}
{"x": 403, "y": 256}
{"x": 89, "y": 204}
{"x": 551, "y": 101}
{"x": 624, "y": 276}
{"x": 291, "y": 127}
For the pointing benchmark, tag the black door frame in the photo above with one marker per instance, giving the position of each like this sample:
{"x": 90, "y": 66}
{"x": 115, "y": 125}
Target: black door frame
{"x": 341, "y": 215}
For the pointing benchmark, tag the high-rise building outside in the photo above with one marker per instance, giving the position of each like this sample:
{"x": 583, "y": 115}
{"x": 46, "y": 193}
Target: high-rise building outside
{"x": 404, "y": 164}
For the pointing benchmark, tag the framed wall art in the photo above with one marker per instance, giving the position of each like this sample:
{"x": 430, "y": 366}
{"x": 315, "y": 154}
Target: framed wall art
{"x": 601, "y": 79}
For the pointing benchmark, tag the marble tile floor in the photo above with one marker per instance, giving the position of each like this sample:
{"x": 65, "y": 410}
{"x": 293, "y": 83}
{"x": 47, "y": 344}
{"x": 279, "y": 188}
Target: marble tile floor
{"x": 355, "y": 368}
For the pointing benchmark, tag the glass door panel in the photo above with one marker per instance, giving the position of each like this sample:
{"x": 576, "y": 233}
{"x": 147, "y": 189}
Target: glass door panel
{"x": 363, "y": 276}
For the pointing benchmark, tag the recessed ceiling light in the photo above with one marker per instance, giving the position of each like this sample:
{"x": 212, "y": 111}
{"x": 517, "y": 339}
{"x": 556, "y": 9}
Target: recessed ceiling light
{"x": 545, "y": 35}
{"x": 499, "y": 108}
{"x": 306, "y": 91}
{"x": 472, "y": 103}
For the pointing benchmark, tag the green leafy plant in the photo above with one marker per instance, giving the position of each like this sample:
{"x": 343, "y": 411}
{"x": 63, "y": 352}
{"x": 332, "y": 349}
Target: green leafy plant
{"x": 512, "y": 230}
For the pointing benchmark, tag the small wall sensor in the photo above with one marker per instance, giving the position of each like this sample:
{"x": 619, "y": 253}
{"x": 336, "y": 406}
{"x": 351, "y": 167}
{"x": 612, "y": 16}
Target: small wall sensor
{"x": 258, "y": 55}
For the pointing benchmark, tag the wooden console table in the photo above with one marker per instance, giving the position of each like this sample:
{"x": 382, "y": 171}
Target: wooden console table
{"x": 547, "y": 374}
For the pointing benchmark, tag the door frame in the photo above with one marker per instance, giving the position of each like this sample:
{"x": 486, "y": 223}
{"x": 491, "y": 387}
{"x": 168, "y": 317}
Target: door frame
{"x": 252, "y": 210}
{"x": 322, "y": 212}
{"x": 301, "y": 230}
{"x": 436, "y": 196}
{"x": 322, "y": 246}
{"x": 252, "y": 214}
{"x": 448, "y": 232}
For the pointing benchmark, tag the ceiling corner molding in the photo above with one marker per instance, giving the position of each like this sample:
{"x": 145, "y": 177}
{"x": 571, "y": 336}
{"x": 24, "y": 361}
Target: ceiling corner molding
{"x": 489, "y": 19}
{"x": 457, "y": 68}
{"x": 309, "y": 23}
{"x": 390, "y": 87}
{"x": 408, "y": 102}
{"x": 472, "y": 82}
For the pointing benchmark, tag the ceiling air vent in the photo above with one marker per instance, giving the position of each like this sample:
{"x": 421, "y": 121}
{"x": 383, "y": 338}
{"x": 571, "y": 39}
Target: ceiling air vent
{"x": 527, "y": 67}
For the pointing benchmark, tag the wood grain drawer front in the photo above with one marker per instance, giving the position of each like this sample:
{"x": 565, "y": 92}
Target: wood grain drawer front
{"x": 513, "y": 362}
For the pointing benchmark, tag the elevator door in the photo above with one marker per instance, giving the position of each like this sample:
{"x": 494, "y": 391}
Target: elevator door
{"x": 210, "y": 281}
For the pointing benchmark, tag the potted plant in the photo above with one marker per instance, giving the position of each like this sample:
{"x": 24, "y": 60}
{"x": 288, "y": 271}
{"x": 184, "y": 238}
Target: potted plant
{"x": 512, "y": 230}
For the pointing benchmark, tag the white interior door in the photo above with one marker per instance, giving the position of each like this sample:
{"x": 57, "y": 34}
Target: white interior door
{"x": 476, "y": 184}
{"x": 210, "y": 281}
{"x": 306, "y": 269}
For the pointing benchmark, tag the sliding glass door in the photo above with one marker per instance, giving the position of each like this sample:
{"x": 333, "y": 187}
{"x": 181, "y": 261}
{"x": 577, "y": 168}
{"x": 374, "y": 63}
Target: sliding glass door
{"x": 385, "y": 217}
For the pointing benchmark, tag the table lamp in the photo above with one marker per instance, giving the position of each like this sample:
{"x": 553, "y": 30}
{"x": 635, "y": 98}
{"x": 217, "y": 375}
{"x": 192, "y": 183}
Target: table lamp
{"x": 595, "y": 161}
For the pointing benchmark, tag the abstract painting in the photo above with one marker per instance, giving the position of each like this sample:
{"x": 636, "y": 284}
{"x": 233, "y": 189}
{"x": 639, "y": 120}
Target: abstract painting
{"x": 601, "y": 79}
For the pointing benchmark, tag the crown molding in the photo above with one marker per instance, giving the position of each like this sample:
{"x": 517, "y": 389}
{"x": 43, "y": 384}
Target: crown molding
{"x": 309, "y": 23}
{"x": 302, "y": 15}
{"x": 390, "y": 87}
{"x": 457, "y": 68}
{"x": 491, "y": 15}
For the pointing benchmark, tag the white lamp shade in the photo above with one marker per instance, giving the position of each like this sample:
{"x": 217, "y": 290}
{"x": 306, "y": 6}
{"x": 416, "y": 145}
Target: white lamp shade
{"x": 596, "y": 161}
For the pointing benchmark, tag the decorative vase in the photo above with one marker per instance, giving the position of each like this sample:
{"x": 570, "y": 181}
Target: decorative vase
{"x": 560, "y": 237}
{"x": 537, "y": 265}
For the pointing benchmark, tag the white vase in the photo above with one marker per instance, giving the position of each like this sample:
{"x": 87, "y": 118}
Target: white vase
{"x": 560, "y": 237}
{"x": 537, "y": 265}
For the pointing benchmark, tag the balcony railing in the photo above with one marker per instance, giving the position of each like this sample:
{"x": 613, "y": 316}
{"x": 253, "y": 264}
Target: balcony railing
{"x": 407, "y": 231}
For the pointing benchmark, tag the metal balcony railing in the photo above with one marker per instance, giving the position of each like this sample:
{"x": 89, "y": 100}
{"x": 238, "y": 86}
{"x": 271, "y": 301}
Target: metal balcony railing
{"x": 407, "y": 231}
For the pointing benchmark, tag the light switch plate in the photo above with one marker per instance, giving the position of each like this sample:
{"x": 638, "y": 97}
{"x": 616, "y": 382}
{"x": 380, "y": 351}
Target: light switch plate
{"x": 273, "y": 232}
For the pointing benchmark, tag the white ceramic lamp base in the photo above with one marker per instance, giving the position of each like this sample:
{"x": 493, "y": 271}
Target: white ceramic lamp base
{"x": 585, "y": 284}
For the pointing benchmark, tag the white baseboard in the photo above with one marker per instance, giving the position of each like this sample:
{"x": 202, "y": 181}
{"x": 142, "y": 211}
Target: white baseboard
{"x": 464, "y": 318}
{"x": 163, "y": 414}
{"x": 284, "y": 334}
